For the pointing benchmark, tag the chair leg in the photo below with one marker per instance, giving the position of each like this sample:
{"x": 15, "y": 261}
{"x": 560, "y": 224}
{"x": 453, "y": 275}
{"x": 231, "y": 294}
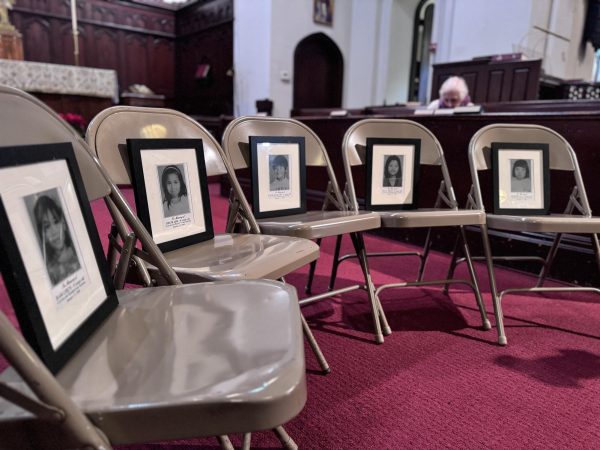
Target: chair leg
{"x": 314, "y": 345}
{"x": 336, "y": 261}
{"x": 225, "y": 443}
{"x": 493, "y": 290}
{"x": 423, "y": 257}
{"x": 596, "y": 249}
{"x": 246, "y": 441}
{"x": 285, "y": 439}
{"x": 453, "y": 261}
{"x": 378, "y": 314}
{"x": 549, "y": 260}
{"x": 311, "y": 273}
{"x": 485, "y": 322}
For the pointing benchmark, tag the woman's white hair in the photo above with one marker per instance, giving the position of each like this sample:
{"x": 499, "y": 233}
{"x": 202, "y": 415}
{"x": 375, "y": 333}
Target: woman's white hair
{"x": 455, "y": 84}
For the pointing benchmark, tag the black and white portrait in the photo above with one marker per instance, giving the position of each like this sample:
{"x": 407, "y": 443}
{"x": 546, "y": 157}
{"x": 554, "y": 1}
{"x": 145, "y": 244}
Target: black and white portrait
{"x": 55, "y": 239}
{"x": 174, "y": 190}
{"x": 520, "y": 180}
{"x": 392, "y": 170}
{"x": 279, "y": 176}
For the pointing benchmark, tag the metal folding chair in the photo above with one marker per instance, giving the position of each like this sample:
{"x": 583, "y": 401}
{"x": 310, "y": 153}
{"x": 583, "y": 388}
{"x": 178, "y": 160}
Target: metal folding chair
{"x": 444, "y": 213}
{"x": 577, "y": 217}
{"x": 167, "y": 359}
{"x": 333, "y": 220}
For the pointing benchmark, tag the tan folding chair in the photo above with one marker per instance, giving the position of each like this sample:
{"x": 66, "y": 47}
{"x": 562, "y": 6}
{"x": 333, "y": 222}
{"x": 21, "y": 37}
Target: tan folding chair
{"x": 577, "y": 217}
{"x": 229, "y": 256}
{"x": 444, "y": 213}
{"x": 166, "y": 360}
{"x": 312, "y": 224}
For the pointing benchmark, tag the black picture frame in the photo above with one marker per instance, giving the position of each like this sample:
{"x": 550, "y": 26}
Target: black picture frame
{"x": 273, "y": 196}
{"x": 521, "y": 178}
{"x": 381, "y": 194}
{"x": 153, "y": 161}
{"x": 59, "y": 302}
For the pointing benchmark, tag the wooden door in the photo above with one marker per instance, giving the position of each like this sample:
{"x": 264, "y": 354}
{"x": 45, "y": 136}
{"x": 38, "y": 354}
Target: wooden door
{"x": 318, "y": 73}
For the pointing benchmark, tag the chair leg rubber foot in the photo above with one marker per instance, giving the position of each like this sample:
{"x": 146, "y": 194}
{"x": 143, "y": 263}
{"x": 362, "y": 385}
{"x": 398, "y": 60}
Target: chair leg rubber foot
{"x": 379, "y": 339}
{"x": 486, "y": 325}
{"x": 326, "y": 371}
{"x": 502, "y": 340}
{"x": 386, "y": 331}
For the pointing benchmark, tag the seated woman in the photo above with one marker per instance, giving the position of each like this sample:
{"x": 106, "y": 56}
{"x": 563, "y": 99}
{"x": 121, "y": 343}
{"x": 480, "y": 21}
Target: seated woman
{"x": 454, "y": 92}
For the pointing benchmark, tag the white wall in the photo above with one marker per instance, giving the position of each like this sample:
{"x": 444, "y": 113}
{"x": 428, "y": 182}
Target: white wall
{"x": 547, "y": 29}
{"x": 401, "y": 24}
{"x": 464, "y": 29}
{"x": 252, "y": 62}
{"x": 266, "y": 33}
{"x": 291, "y": 22}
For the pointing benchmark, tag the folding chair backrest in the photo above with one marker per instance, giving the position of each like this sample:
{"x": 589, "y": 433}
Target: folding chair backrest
{"x": 25, "y": 120}
{"x": 354, "y": 145}
{"x": 561, "y": 154}
{"x": 236, "y": 137}
{"x": 108, "y": 133}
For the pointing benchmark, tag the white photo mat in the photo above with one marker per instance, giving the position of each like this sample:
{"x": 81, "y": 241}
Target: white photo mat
{"x": 64, "y": 305}
{"x": 273, "y": 200}
{"x": 182, "y": 225}
{"x": 507, "y": 197}
{"x": 404, "y": 194}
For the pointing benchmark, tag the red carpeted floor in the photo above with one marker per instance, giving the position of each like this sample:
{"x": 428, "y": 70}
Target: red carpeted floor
{"x": 439, "y": 381}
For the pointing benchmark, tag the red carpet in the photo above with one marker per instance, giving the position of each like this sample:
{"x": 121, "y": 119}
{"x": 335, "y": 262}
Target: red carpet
{"x": 439, "y": 381}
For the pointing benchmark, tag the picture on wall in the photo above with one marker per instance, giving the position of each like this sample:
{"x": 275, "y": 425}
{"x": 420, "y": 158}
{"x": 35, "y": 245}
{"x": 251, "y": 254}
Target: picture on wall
{"x": 278, "y": 175}
{"x": 521, "y": 178}
{"x": 52, "y": 260}
{"x": 323, "y": 12}
{"x": 171, "y": 190}
{"x": 392, "y": 176}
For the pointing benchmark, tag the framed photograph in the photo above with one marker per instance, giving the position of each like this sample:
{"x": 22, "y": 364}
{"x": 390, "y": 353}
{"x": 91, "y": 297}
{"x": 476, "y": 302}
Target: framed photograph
{"x": 323, "y": 12}
{"x": 278, "y": 175}
{"x": 51, "y": 257}
{"x": 521, "y": 176}
{"x": 171, "y": 190}
{"x": 392, "y": 173}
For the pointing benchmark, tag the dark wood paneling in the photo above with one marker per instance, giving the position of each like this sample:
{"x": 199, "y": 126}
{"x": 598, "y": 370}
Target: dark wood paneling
{"x": 492, "y": 81}
{"x": 575, "y": 260}
{"x": 212, "y": 95}
{"x": 140, "y": 43}
{"x": 36, "y": 39}
{"x": 113, "y": 35}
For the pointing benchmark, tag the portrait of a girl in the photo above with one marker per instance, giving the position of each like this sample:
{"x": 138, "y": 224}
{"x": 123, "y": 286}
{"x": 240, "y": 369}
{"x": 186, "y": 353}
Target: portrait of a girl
{"x": 174, "y": 191}
{"x": 55, "y": 239}
{"x": 392, "y": 171}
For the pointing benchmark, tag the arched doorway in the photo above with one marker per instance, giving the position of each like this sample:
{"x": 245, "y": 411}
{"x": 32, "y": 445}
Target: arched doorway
{"x": 318, "y": 73}
{"x": 419, "y": 68}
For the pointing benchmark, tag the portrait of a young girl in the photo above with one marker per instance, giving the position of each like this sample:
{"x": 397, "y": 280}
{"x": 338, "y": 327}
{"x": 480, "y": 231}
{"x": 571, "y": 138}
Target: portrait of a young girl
{"x": 392, "y": 171}
{"x": 174, "y": 191}
{"x": 55, "y": 239}
{"x": 520, "y": 180}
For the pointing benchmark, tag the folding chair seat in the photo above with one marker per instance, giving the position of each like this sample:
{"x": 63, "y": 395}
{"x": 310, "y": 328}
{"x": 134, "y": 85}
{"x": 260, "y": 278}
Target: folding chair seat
{"x": 444, "y": 213}
{"x": 336, "y": 221}
{"x": 577, "y": 217}
{"x": 228, "y": 256}
{"x": 171, "y": 362}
